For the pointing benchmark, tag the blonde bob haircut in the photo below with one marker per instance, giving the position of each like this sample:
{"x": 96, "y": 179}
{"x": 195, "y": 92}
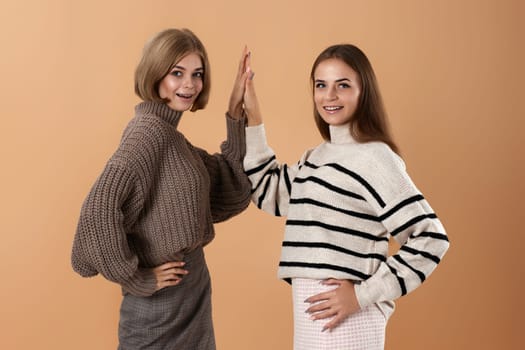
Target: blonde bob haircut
{"x": 161, "y": 53}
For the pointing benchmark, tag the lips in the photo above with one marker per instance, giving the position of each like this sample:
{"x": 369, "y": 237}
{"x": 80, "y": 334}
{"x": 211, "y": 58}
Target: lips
{"x": 184, "y": 96}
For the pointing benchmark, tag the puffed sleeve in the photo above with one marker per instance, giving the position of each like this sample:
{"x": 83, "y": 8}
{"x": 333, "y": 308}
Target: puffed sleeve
{"x": 229, "y": 185}
{"x": 100, "y": 244}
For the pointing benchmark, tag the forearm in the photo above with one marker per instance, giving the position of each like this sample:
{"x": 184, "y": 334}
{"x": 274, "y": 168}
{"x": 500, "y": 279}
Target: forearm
{"x": 424, "y": 242}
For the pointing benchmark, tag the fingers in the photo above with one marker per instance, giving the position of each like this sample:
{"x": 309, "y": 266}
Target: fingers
{"x": 336, "y": 321}
{"x": 169, "y": 274}
{"x": 251, "y": 103}
{"x": 244, "y": 61}
{"x": 323, "y": 302}
{"x": 236, "y": 98}
{"x": 247, "y": 60}
{"x": 326, "y": 310}
{"x": 332, "y": 282}
{"x": 243, "y": 68}
{"x": 319, "y": 297}
{"x": 324, "y": 314}
{"x": 338, "y": 303}
{"x": 169, "y": 283}
{"x": 318, "y": 308}
{"x": 169, "y": 265}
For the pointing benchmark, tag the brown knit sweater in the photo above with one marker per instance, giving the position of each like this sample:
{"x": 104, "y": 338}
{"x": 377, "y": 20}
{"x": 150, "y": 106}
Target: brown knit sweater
{"x": 157, "y": 199}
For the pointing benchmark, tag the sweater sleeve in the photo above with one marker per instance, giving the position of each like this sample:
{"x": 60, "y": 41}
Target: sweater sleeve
{"x": 229, "y": 186}
{"x": 411, "y": 221}
{"x": 100, "y": 244}
{"x": 271, "y": 181}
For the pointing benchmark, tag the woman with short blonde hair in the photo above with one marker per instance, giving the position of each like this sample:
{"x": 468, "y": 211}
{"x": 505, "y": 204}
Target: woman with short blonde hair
{"x": 151, "y": 211}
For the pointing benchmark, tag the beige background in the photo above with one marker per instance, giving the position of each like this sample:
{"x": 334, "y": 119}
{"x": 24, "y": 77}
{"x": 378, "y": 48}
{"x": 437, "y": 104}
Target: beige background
{"x": 451, "y": 73}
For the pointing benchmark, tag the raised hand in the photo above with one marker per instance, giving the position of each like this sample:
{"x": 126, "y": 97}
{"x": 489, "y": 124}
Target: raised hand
{"x": 251, "y": 104}
{"x": 235, "y": 108}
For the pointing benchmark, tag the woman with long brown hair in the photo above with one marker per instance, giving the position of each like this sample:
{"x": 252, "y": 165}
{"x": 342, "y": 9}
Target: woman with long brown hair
{"x": 344, "y": 200}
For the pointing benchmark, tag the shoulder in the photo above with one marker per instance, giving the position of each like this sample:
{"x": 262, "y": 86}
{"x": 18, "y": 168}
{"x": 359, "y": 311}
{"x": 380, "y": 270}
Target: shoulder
{"x": 380, "y": 157}
{"x": 307, "y": 154}
{"x": 386, "y": 171}
{"x": 381, "y": 170}
{"x": 145, "y": 128}
{"x": 369, "y": 157}
{"x": 142, "y": 141}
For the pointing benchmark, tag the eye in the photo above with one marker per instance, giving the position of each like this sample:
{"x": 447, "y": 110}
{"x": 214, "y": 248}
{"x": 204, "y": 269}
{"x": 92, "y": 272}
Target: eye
{"x": 176, "y": 73}
{"x": 344, "y": 85}
{"x": 198, "y": 75}
{"x": 320, "y": 85}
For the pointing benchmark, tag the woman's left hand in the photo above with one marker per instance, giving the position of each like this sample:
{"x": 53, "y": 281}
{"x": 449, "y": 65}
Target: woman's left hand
{"x": 235, "y": 108}
{"x": 338, "y": 303}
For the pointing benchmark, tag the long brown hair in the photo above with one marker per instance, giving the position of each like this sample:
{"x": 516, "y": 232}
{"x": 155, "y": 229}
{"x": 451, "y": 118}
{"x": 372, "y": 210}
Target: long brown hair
{"x": 161, "y": 53}
{"x": 369, "y": 122}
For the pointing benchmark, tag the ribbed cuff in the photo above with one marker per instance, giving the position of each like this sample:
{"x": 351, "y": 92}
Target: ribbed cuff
{"x": 256, "y": 139}
{"x": 143, "y": 283}
{"x": 235, "y": 145}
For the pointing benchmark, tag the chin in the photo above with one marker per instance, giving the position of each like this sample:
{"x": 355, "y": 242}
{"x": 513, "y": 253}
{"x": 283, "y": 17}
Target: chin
{"x": 334, "y": 122}
{"x": 180, "y": 108}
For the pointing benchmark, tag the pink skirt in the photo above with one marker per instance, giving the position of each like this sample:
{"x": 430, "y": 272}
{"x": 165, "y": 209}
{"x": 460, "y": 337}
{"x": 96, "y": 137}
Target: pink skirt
{"x": 364, "y": 330}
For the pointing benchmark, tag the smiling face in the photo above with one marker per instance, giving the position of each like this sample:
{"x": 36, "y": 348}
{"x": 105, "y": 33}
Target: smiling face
{"x": 182, "y": 85}
{"x": 337, "y": 88}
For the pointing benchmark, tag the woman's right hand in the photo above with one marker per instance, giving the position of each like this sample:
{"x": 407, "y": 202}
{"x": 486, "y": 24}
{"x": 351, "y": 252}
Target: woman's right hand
{"x": 251, "y": 104}
{"x": 169, "y": 274}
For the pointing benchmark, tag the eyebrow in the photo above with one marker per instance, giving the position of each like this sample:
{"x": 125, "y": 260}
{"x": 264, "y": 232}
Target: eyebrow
{"x": 183, "y": 68}
{"x": 337, "y": 81}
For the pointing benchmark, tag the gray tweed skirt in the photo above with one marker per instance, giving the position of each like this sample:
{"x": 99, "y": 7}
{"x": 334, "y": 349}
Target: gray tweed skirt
{"x": 173, "y": 318}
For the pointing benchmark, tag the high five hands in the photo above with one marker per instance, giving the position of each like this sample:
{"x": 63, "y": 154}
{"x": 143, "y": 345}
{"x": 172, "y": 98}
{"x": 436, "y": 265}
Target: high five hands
{"x": 243, "y": 100}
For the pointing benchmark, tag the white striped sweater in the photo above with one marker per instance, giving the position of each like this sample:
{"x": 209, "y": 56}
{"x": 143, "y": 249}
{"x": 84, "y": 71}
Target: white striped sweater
{"x": 344, "y": 200}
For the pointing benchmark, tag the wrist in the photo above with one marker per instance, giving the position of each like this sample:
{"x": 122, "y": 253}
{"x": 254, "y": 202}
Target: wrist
{"x": 254, "y": 120}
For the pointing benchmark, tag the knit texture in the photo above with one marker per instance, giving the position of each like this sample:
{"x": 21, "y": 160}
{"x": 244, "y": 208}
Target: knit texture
{"x": 157, "y": 199}
{"x": 344, "y": 200}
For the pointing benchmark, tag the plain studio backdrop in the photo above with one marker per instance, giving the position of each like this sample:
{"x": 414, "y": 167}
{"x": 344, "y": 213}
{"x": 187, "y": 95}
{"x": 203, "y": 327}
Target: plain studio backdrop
{"x": 451, "y": 76}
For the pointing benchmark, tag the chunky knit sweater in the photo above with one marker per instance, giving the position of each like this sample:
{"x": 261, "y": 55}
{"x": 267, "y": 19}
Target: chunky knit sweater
{"x": 157, "y": 199}
{"x": 343, "y": 201}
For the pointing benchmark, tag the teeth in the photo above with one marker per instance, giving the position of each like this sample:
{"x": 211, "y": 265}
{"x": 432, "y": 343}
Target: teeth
{"x": 332, "y": 108}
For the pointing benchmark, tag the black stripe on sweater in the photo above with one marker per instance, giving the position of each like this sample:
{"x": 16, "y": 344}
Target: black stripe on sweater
{"x": 402, "y": 204}
{"x": 420, "y": 274}
{"x": 434, "y": 235}
{"x": 260, "y": 167}
{"x": 269, "y": 173}
{"x": 357, "y": 177}
{"x": 327, "y": 206}
{"x": 277, "y": 211}
{"x": 399, "y": 279}
{"x": 413, "y": 222}
{"x": 356, "y": 273}
{"x": 336, "y": 229}
{"x": 333, "y": 247}
{"x": 329, "y": 186}
{"x": 287, "y": 179}
{"x": 427, "y": 255}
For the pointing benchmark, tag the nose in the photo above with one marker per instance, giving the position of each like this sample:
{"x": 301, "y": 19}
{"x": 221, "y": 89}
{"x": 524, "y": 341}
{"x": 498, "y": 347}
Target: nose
{"x": 331, "y": 94}
{"x": 188, "y": 82}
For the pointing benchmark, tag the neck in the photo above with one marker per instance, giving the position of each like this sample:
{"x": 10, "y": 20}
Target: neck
{"x": 161, "y": 110}
{"x": 341, "y": 134}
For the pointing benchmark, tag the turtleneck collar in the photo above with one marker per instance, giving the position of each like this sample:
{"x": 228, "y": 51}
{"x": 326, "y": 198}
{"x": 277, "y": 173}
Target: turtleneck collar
{"x": 160, "y": 110}
{"x": 341, "y": 134}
